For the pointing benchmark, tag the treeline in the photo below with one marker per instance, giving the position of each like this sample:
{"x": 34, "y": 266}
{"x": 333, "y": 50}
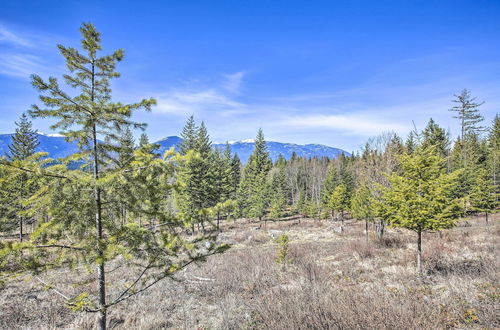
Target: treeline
{"x": 127, "y": 206}
{"x": 354, "y": 185}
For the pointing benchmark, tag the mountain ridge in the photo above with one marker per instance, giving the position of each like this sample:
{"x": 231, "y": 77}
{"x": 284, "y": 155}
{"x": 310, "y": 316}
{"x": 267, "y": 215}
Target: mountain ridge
{"x": 57, "y": 147}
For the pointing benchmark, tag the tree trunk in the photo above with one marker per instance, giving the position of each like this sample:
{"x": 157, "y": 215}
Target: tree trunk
{"x": 21, "y": 229}
{"x": 419, "y": 252}
{"x": 380, "y": 229}
{"x": 366, "y": 229}
{"x": 218, "y": 220}
{"x": 486, "y": 216}
{"x": 101, "y": 274}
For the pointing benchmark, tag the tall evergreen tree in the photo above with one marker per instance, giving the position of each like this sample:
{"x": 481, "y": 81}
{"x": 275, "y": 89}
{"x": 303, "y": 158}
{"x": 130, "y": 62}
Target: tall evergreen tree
{"x": 277, "y": 191}
{"x": 235, "y": 175}
{"x": 253, "y": 192}
{"x": 85, "y": 117}
{"x": 82, "y": 232}
{"x": 435, "y": 136}
{"x": 411, "y": 142}
{"x": 189, "y": 136}
{"x": 126, "y": 148}
{"x": 467, "y": 111}
{"x": 340, "y": 200}
{"x": 24, "y": 141}
{"x": 483, "y": 195}
{"x": 361, "y": 205}
{"x": 143, "y": 140}
{"x": 494, "y": 154}
{"x": 19, "y": 185}
{"x": 199, "y": 174}
{"x": 421, "y": 196}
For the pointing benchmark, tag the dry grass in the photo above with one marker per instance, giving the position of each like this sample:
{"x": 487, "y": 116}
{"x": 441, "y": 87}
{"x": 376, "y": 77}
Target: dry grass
{"x": 334, "y": 281}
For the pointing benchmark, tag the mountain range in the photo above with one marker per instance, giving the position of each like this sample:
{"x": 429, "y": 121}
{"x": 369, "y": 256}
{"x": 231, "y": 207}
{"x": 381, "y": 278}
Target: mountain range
{"x": 57, "y": 147}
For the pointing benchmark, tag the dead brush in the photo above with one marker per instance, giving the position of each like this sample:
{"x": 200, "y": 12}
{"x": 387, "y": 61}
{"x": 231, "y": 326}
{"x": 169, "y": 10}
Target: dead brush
{"x": 321, "y": 306}
{"x": 392, "y": 242}
{"x": 362, "y": 248}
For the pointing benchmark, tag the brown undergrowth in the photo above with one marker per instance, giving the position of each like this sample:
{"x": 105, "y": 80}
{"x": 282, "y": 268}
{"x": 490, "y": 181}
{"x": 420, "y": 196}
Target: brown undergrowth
{"x": 333, "y": 281}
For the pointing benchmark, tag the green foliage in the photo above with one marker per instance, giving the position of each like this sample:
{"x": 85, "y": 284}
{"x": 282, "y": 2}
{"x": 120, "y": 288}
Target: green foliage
{"x": 339, "y": 173}
{"x": 16, "y": 186}
{"x": 253, "y": 192}
{"x": 361, "y": 203}
{"x": 126, "y": 145}
{"x": 277, "y": 187}
{"x": 467, "y": 112}
{"x": 24, "y": 141}
{"x": 302, "y": 203}
{"x": 189, "y": 136}
{"x": 283, "y": 257}
{"x": 436, "y": 137}
{"x": 340, "y": 199}
{"x": 421, "y": 197}
{"x": 83, "y": 227}
{"x": 483, "y": 195}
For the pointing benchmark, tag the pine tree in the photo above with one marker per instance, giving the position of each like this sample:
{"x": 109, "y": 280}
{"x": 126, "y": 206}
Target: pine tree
{"x": 483, "y": 195}
{"x": 126, "y": 148}
{"x": 226, "y": 174}
{"x": 467, "y": 111}
{"x": 189, "y": 136}
{"x": 361, "y": 205}
{"x": 95, "y": 114}
{"x": 494, "y": 155}
{"x": 420, "y": 198}
{"x": 199, "y": 175}
{"x": 333, "y": 179}
{"x": 411, "y": 142}
{"x": 301, "y": 203}
{"x": 24, "y": 141}
{"x": 82, "y": 231}
{"x": 235, "y": 175}
{"x": 203, "y": 143}
{"x": 340, "y": 200}
{"x": 253, "y": 192}
{"x": 18, "y": 184}
{"x": 143, "y": 140}
{"x": 277, "y": 187}
{"x": 435, "y": 136}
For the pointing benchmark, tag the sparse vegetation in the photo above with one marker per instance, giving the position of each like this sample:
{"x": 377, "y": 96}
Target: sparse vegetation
{"x": 332, "y": 281}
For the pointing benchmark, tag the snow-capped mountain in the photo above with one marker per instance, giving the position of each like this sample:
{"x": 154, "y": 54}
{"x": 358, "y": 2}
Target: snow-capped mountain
{"x": 57, "y": 147}
{"x": 54, "y": 144}
{"x": 244, "y": 148}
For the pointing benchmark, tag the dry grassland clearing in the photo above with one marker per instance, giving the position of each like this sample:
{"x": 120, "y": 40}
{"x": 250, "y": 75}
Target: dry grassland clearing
{"x": 331, "y": 281}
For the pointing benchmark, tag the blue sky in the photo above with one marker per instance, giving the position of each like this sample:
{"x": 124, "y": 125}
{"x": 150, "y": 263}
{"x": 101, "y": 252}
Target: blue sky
{"x": 332, "y": 72}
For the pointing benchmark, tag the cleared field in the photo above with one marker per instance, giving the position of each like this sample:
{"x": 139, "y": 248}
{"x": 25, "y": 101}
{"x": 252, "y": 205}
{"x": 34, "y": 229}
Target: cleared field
{"x": 333, "y": 281}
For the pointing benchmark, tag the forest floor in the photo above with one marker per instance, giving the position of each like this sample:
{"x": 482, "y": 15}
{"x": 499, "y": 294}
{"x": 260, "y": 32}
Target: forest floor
{"x": 333, "y": 281}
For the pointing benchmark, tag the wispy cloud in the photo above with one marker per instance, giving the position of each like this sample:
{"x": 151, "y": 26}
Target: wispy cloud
{"x": 24, "y": 53}
{"x": 233, "y": 82}
{"x": 355, "y": 124}
{"x": 20, "y": 65}
{"x": 218, "y": 97}
{"x": 9, "y": 37}
{"x": 185, "y": 102}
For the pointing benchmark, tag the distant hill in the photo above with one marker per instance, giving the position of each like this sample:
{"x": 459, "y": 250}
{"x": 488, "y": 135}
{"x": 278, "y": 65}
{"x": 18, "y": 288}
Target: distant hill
{"x": 244, "y": 148}
{"x": 57, "y": 147}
